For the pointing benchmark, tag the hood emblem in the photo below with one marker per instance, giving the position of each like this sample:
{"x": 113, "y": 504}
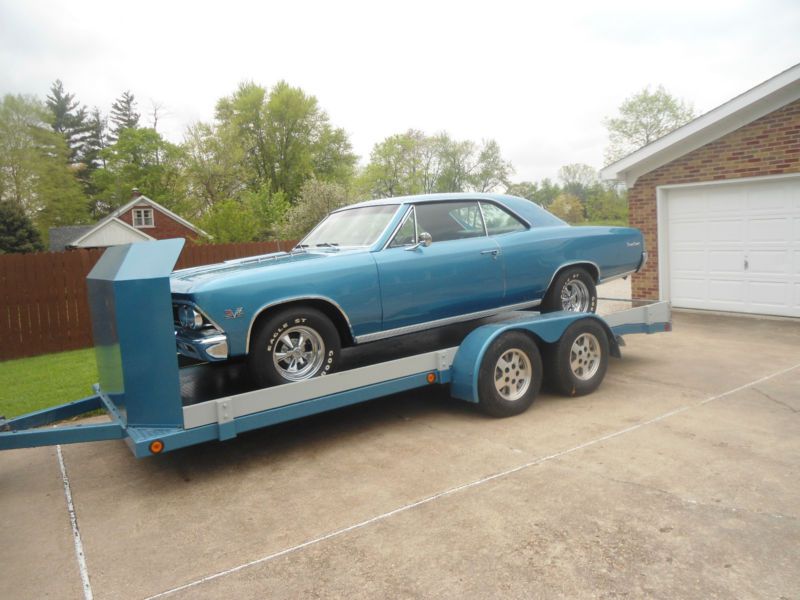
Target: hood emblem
{"x": 234, "y": 313}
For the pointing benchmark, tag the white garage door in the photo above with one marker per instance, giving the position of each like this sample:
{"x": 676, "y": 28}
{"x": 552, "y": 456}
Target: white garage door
{"x": 735, "y": 247}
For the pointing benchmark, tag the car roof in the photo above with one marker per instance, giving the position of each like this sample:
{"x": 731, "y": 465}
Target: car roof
{"x": 430, "y": 198}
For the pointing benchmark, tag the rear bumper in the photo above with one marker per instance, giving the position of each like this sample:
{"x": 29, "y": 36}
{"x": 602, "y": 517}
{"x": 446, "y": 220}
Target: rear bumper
{"x": 643, "y": 261}
{"x": 211, "y": 346}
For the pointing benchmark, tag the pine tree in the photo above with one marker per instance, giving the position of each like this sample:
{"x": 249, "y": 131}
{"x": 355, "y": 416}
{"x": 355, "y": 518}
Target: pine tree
{"x": 96, "y": 140}
{"x": 17, "y": 233}
{"x": 69, "y": 119}
{"x": 123, "y": 115}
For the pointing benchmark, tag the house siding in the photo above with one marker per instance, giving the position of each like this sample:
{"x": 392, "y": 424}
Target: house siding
{"x": 767, "y": 146}
{"x": 164, "y": 227}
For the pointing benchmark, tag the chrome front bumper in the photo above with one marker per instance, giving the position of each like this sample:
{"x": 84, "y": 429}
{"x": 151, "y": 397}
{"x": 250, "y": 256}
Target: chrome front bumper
{"x": 210, "y": 345}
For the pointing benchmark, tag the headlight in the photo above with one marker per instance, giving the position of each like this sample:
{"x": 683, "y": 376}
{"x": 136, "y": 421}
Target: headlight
{"x": 189, "y": 317}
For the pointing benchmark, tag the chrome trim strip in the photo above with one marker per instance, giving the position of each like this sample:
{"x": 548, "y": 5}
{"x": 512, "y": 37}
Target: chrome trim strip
{"x": 399, "y": 225}
{"x": 613, "y": 277}
{"x": 379, "y": 335}
{"x": 483, "y": 220}
{"x": 202, "y": 312}
{"x": 287, "y": 301}
{"x": 569, "y": 264}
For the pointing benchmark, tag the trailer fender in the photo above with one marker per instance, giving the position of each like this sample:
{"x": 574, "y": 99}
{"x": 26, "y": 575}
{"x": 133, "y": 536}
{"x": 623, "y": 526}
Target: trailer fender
{"x": 547, "y": 328}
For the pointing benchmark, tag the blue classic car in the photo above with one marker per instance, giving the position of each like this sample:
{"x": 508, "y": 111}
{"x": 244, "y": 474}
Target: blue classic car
{"x": 390, "y": 267}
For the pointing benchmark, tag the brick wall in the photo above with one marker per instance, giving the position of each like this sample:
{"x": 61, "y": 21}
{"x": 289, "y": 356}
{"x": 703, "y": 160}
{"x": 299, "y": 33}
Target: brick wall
{"x": 164, "y": 227}
{"x": 767, "y": 146}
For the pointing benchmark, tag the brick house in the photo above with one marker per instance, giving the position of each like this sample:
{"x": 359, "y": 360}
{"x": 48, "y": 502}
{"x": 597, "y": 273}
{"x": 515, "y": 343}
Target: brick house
{"x": 141, "y": 219}
{"x": 718, "y": 201}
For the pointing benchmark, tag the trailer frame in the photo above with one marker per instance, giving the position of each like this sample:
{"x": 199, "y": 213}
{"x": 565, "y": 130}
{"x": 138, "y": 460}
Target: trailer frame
{"x": 139, "y": 385}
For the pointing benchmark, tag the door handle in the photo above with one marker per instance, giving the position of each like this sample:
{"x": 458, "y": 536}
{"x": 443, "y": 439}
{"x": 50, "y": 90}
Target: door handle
{"x": 494, "y": 252}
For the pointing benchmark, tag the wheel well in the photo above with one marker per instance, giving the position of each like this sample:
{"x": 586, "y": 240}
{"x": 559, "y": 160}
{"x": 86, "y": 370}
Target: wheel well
{"x": 329, "y": 310}
{"x": 587, "y": 266}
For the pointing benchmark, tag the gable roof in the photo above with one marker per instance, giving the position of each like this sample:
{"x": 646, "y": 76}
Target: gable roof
{"x": 767, "y": 97}
{"x": 145, "y": 200}
{"x": 98, "y": 236}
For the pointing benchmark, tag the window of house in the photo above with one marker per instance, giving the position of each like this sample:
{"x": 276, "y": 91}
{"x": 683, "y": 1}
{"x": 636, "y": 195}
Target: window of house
{"x": 143, "y": 217}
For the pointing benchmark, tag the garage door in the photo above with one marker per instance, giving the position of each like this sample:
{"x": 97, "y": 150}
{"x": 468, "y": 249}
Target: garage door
{"x": 735, "y": 247}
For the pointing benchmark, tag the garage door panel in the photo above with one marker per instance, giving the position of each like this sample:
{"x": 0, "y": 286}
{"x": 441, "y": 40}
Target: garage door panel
{"x": 735, "y": 246}
{"x": 767, "y": 262}
{"x": 688, "y": 231}
{"x": 689, "y": 261}
{"x": 726, "y": 261}
{"x": 769, "y": 293}
{"x": 728, "y": 230}
{"x": 769, "y": 229}
{"x": 729, "y": 291}
{"x": 689, "y": 288}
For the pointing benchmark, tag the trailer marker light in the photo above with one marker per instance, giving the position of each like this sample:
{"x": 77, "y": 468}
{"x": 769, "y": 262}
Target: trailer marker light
{"x": 156, "y": 446}
{"x": 431, "y": 378}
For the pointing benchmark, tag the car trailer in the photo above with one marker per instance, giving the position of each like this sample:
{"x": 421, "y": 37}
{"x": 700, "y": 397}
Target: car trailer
{"x": 157, "y": 406}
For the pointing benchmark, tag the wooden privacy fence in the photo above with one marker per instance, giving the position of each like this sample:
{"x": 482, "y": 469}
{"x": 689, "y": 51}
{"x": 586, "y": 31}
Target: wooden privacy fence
{"x": 43, "y": 298}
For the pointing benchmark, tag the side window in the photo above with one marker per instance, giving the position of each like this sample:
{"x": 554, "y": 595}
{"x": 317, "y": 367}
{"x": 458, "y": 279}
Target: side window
{"x": 407, "y": 234}
{"x": 450, "y": 220}
{"x": 499, "y": 221}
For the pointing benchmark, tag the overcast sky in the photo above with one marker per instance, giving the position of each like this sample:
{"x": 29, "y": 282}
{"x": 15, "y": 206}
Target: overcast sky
{"x": 537, "y": 77}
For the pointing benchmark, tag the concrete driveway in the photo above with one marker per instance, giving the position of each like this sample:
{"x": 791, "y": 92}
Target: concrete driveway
{"x": 678, "y": 478}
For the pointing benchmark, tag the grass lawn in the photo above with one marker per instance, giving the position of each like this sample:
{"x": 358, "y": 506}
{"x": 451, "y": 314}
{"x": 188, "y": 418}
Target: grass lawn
{"x": 28, "y": 384}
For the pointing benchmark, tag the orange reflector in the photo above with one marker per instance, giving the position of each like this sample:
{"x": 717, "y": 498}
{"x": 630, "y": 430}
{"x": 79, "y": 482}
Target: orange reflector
{"x": 156, "y": 447}
{"x": 431, "y": 378}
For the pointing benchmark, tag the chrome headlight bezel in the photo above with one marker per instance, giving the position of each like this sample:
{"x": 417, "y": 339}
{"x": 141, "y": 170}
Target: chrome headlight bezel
{"x": 189, "y": 317}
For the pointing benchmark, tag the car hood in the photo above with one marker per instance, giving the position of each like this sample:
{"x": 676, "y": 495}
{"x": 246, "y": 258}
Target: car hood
{"x": 194, "y": 279}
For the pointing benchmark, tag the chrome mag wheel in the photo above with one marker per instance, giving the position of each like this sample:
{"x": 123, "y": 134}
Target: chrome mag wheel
{"x": 299, "y": 353}
{"x": 575, "y": 296}
{"x": 584, "y": 356}
{"x": 512, "y": 374}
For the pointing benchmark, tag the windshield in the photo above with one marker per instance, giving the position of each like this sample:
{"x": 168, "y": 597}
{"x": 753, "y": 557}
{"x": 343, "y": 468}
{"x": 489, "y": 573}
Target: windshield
{"x": 354, "y": 227}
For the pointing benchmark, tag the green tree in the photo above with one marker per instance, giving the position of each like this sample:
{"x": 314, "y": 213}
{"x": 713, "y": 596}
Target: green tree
{"x": 34, "y": 166}
{"x": 230, "y": 221}
{"x": 69, "y": 119}
{"x": 316, "y": 200}
{"x": 523, "y": 189}
{"x": 643, "y": 118}
{"x": 567, "y": 207}
{"x": 413, "y": 163}
{"x": 123, "y": 115}
{"x": 96, "y": 140}
{"x": 142, "y": 159}
{"x": 17, "y": 233}
{"x": 492, "y": 170}
{"x": 284, "y": 137}
{"x": 214, "y": 166}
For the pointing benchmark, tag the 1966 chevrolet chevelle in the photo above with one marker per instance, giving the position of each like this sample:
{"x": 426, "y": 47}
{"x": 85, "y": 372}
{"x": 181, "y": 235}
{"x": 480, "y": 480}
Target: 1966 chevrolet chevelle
{"x": 390, "y": 267}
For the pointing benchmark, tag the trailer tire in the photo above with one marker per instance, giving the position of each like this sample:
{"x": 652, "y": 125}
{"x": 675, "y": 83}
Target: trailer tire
{"x": 573, "y": 290}
{"x": 275, "y": 356}
{"x": 578, "y": 361}
{"x": 510, "y": 375}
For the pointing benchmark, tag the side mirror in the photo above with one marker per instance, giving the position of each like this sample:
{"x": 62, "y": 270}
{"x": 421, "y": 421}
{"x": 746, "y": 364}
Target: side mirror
{"x": 425, "y": 240}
